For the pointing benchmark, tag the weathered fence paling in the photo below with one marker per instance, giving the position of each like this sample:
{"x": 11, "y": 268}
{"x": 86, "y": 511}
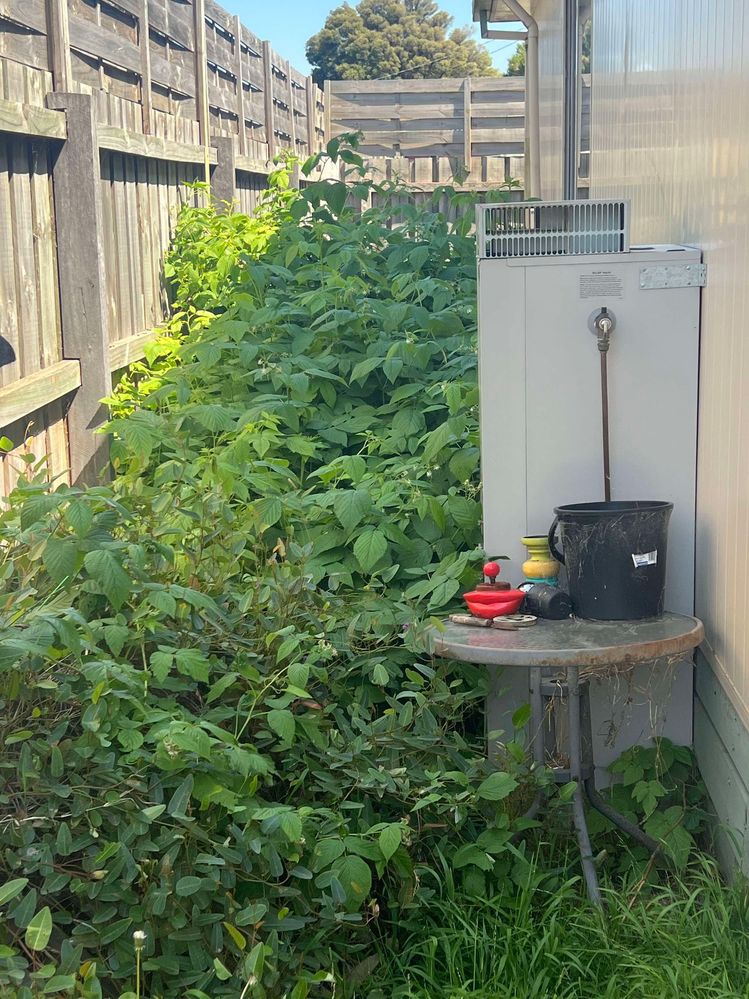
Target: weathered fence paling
{"x": 82, "y": 280}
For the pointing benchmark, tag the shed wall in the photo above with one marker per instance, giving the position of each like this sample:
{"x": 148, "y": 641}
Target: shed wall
{"x": 669, "y": 130}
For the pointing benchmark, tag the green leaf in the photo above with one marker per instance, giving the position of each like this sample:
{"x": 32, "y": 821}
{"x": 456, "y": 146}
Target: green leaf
{"x": 64, "y": 840}
{"x": 269, "y": 511}
{"x": 567, "y": 791}
{"x": 392, "y": 367}
{"x": 291, "y": 826}
{"x": 12, "y": 888}
{"x": 369, "y": 548}
{"x": 522, "y": 716}
{"x": 163, "y": 602}
{"x": 60, "y": 557}
{"x": 390, "y": 839}
{"x": 436, "y": 441}
{"x": 193, "y": 663}
{"x": 470, "y": 854}
{"x": 115, "y": 635}
{"x": 39, "y": 930}
{"x": 298, "y": 674}
{"x": 327, "y": 851}
{"x": 181, "y": 797}
{"x": 136, "y": 434}
{"x": 152, "y": 812}
{"x": 102, "y": 566}
{"x": 363, "y": 368}
{"x": 214, "y": 418}
{"x": 465, "y": 512}
{"x": 161, "y": 664}
{"x": 221, "y": 686}
{"x": 668, "y": 828}
{"x": 282, "y": 723}
{"x": 380, "y": 675}
{"x": 351, "y": 506}
{"x": 79, "y": 516}
{"x": 256, "y": 960}
{"x": 354, "y": 466}
{"x": 464, "y": 463}
{"x": 59, "y": 983}
{"x": 335, "y": 195}
{"x": 355, "y": 877}
{"x": 408, "y": 422}
{"x": 239, "y": 938}
{"x": 497, "y": 786}
{"x": 37, "y": 507}
{"x": 442, "y": 593}
{"x": 188, "y": 886}
{"x": 222, "y": 972}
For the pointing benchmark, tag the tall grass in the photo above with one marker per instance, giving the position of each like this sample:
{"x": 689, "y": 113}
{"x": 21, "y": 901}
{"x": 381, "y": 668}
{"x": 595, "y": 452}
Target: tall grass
{"x": 687, "y": 940}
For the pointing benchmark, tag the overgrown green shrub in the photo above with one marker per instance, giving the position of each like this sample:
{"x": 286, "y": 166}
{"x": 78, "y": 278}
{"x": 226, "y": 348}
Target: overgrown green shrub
{"x": 217, "y": 726}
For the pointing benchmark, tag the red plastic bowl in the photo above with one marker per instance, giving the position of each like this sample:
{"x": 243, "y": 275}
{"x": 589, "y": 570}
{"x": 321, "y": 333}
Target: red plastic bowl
{"x": 492, "y": 596}
{"x": 508, "y": 604}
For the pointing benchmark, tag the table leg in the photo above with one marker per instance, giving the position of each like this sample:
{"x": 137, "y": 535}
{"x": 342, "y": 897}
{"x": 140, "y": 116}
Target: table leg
{"x": 578, "y": 803}
{"x": 537, "y": 714}
{"x": 535, "y": 676}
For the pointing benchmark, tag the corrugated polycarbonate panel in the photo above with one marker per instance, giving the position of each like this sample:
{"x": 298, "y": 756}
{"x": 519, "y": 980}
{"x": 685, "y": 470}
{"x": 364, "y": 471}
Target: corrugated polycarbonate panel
{"x": 670, "y": 132}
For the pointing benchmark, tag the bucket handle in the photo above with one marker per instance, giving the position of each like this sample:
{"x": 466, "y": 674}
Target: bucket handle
{"x": 558, "y": 555}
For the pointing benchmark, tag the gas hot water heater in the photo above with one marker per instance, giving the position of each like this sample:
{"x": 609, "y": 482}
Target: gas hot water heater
{"x": 549, "y": 275}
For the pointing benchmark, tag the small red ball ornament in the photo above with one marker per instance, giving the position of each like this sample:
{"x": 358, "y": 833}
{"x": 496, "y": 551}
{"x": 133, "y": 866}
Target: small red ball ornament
{"x": 491, "y": 569}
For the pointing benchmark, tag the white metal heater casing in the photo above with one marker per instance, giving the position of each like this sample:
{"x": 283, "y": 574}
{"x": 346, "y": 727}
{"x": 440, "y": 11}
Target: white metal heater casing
{"x": 540, "y": 398}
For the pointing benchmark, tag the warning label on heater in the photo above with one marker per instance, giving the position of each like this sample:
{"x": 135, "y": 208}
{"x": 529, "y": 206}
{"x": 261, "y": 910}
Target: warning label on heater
{"x": 647, "y": 558}
{"x": 601, "y": 284}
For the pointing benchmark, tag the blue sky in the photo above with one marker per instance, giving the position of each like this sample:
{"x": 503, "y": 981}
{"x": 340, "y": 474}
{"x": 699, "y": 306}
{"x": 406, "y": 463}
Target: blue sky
{"x": 287, "y": 24}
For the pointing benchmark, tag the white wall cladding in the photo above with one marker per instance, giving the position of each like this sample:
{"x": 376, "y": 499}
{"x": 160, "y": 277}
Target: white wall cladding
{"x": 670, "y": 131}
{"x": 550, "y": 17}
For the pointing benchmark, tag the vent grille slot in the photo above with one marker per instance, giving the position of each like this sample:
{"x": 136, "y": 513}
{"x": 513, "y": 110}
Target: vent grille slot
{"x": 552, "y": 229}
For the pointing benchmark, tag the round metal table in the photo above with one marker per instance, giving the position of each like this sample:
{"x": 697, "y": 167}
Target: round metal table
{"x": 578, "y": 649}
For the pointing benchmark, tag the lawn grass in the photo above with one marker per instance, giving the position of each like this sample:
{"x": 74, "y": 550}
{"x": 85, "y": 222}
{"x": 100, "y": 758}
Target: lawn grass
{"x": 686, "y": 939}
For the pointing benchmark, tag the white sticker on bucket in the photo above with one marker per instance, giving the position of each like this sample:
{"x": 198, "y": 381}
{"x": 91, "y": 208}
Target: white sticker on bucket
{"x": 648, "y": 558}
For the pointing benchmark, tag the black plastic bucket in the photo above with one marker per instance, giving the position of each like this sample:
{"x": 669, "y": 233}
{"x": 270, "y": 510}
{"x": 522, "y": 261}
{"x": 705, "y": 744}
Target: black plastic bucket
{"x": 615, "y": 556}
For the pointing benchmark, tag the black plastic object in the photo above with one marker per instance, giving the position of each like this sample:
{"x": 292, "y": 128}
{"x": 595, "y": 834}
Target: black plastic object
{"x": 615, "y": 556}
{"x": 546, "y": 601}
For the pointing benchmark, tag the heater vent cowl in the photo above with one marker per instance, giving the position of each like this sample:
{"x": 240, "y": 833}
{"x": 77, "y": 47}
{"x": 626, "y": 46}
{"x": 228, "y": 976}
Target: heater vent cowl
{"x": 552, "y": 228}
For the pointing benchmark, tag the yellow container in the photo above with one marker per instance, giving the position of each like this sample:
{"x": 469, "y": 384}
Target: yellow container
{"x": 540, "y": 566}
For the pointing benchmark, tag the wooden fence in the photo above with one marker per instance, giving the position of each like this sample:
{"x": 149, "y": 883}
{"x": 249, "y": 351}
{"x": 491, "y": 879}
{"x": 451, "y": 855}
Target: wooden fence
{"x": 470, "y": 130}
{"x": 106, "y": 109}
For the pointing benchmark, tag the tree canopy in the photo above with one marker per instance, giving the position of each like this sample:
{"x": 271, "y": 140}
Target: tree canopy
{"x": 516, "y": 62}
{"x": 384, "y": 39}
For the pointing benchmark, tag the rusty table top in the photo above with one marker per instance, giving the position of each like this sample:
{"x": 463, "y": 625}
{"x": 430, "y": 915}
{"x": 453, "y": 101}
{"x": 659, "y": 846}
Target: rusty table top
{"x": 572, "y": 642}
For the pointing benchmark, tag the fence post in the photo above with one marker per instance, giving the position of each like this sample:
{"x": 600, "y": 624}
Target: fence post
{"x": 144, "y": 43}
{"x": 58, "y": 44}
{"x": 76, "y": 179}
{"x": 467, "y": 140}
{"x": 309, "y": 93}
{"x": 328, "y": 119}
{"x": 238, "y": 72}
{"x": 270, "y": 133}
{"x": 201, "y": 83}
{"x": 224, "y": 179}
